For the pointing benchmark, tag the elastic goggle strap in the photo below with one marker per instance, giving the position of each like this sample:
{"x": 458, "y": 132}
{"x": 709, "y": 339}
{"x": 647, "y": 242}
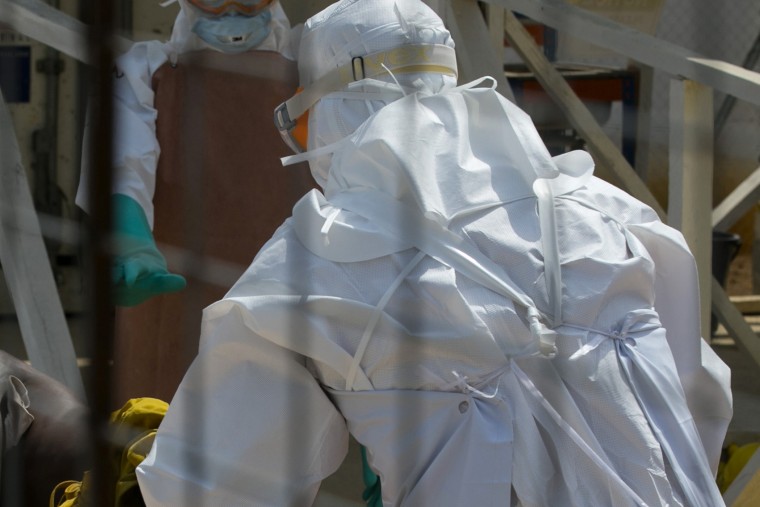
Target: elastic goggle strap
{"x": 403, "y": 59}
{"x": 219, "y": 7}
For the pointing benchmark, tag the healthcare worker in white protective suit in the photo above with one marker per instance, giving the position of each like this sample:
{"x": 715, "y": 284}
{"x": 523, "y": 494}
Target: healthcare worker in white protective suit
{"x": 488, "y": 321}
{"x": 193, "y": 121}
{"x": 226, "y": 26}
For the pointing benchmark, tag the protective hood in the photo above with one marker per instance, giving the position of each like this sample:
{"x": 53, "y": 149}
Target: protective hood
{"x": 184, "y": 40}
{"x": 342, "y": 35}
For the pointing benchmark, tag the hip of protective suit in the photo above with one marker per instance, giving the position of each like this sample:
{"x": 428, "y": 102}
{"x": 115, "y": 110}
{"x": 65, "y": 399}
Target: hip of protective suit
{"x": 433, "y": 447}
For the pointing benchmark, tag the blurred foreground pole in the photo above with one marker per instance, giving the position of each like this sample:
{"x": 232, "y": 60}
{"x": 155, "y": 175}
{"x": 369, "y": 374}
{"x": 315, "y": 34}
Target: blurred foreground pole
{"x": 98, "y": 269}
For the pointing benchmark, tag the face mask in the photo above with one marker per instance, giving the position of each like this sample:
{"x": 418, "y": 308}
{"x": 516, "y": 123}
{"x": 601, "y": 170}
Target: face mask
{"x": 233, "y": 33}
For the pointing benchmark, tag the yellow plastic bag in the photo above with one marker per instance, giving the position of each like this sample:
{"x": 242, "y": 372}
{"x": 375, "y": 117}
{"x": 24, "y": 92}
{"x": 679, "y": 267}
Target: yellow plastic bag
{"x": 72, "y": 491}
{"x": 133, "y": 431}
{"x": 738, "y": 456}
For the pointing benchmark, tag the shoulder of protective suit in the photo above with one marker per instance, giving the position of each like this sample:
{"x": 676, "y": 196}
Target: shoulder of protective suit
{"x": 616, "y": 202}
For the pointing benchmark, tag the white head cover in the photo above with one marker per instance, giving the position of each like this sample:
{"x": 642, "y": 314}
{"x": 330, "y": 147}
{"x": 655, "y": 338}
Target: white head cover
{"x": 184, "y": 40}
{"x": 351, "y": 28}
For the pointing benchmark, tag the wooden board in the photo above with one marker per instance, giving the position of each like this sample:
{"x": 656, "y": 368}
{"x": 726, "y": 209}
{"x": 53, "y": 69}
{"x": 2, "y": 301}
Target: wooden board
{"x": 734, "y": 322}
{"x": 691, "y": 177}
{"x": 738, "y": 202}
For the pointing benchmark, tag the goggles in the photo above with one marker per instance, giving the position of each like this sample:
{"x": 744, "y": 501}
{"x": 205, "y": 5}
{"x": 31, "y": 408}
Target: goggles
{"x": 222, "y": 7}
{"x": 291, "y": 117}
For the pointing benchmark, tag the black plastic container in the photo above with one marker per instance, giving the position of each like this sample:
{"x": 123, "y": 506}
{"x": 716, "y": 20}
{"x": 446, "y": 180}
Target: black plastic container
{"x": 725, "y": 246}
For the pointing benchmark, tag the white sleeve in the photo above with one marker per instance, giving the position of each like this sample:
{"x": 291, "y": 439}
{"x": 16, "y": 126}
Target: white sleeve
{"x": 705, "y": 378}
{"x": 135, "y": 148}
{"x": 249, "y": 425}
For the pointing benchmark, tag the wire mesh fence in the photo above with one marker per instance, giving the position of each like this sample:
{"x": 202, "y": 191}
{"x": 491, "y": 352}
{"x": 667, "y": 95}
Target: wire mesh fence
{"x": 685, "y": 24}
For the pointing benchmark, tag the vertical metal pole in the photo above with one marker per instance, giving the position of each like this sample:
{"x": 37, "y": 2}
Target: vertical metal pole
{"x": 476, "y": 56}
{"x": 691, "y": 178}
{"x": 99, "y": 268}
{"x": 756, "y": 252}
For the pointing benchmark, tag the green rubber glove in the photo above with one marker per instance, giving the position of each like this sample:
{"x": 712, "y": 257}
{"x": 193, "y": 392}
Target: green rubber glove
{"x": 372, "y": 494}
{"x": 139, "y": 269}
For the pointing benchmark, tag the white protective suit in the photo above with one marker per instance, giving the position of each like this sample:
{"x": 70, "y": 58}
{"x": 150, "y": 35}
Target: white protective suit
{"x": 494, "y": 325}
{"x": 135, "y": 155}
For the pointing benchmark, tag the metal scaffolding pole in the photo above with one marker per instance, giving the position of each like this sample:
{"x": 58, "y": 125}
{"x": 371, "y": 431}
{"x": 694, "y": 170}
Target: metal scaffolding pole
{"x": 100, "y": 332}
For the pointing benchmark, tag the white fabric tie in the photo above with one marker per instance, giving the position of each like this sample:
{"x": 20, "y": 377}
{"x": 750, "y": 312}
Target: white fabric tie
{"x": 463, "y": 383}
{"x": 638, "y": 321}
{"x": 545, "y": 337}
{"x": 362, "y": 347}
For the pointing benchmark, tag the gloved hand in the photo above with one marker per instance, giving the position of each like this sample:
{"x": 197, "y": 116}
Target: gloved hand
{"x": 372, "y": 493}
{"x": 139, "y": 269}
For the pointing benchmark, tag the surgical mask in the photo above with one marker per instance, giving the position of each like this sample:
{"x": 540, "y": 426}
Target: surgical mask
{"x": 233, "y": 33}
